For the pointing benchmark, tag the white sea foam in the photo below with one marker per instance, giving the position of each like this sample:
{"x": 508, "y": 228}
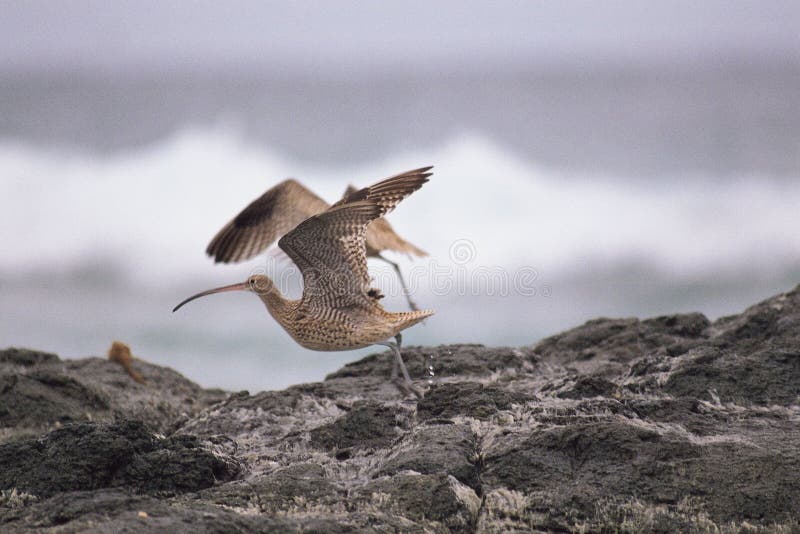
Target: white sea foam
{"x": 154, "y": 209}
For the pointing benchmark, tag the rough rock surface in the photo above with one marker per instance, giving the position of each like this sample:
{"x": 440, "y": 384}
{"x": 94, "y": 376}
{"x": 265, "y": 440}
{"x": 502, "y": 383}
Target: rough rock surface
{"x": 660, "y": 425}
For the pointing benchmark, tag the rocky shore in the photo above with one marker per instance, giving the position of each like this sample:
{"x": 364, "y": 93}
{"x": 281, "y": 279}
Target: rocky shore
{"x": 660, "y": 425}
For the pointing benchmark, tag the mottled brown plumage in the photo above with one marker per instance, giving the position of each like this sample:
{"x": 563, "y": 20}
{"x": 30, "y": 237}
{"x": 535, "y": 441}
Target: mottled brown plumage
{"x": 283, "y": 207}
{"x": 338, "y": 309}
{"x": 264, "y": 221}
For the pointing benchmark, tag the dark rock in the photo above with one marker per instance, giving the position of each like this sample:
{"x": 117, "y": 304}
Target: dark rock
{"x": 368, "y": 425}
{"x": 589, "y": 386}
{"x": 448, "y": 360}
{"x": 44, "y": 397}
{"x": 650, "y": 365}
{"x": 300, "y": 488}
{"x": 26, "y": 357}
{"x": 88, "y": 456}
{"x": 587, "y": 341}
{"x": 691, "y": 414}
{"x": 773, "y": 323}
{"x": 466, "y": 398}
{"x": 769, "y": 376}
{"x": 619, "y": 341}
{"x": 449, "y": 449}
{"x": 435, "y": 498}
{"x": 686, "y": 325}
{"x": 118, "y": 511}
{"x": 578, "y": 465}
{"x": 165, "y": 400}
{"x": 38, "y": 391}
{"x": 659, "y": 425}
{"x": 581, "y": 462}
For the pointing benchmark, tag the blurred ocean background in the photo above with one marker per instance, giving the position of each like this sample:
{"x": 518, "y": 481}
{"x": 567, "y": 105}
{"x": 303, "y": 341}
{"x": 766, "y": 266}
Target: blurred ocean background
{"x": 630, "y": 160}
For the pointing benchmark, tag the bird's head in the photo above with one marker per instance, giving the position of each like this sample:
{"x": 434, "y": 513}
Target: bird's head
{"x": 260, "y": 284}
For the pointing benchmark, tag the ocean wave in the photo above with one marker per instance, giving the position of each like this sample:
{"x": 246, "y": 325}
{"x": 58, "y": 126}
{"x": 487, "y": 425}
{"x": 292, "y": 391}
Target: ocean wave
{"x": 147, "y": 215}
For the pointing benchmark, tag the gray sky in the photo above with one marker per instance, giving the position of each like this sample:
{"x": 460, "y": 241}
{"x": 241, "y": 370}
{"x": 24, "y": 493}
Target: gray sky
{"x": 124, "y": 34}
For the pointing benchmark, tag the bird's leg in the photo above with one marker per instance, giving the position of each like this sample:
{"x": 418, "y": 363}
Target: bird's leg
{"x": 407, "y": 294}
{"x": 396, "y": 366}
{"x": 399, "y": 363}
{"x": 395, "y": 370}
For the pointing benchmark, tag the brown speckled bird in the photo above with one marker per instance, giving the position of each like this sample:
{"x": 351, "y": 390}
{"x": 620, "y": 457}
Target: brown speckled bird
{"x": 283, "y": 207}
{"x": 338, "y": 309}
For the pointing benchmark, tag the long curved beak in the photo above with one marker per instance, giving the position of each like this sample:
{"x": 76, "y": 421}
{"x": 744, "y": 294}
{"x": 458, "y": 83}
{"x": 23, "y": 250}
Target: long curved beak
{"x": 233, "y": 287}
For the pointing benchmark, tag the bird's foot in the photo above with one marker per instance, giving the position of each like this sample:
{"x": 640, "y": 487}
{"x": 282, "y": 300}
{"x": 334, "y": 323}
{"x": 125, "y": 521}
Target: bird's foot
{"x": 406, "y": 388}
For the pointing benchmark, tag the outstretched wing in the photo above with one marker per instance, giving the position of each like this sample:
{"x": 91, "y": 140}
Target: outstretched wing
{"x": 389, "y": 192}
{"x": 381, "y": 236}
{"x": 329, "y": 248}
{"x": 263, "y": 221}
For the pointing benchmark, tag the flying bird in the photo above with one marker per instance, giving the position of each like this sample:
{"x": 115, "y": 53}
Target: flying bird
{"x": 283, "y": 207}
{"x": 338, "y": 310}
